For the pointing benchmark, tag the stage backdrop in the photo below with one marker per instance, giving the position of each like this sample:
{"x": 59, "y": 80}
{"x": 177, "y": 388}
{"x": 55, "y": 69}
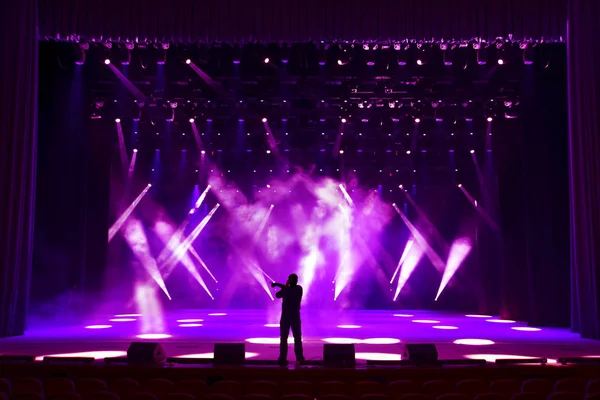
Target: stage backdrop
{"x": 301, "y": 20}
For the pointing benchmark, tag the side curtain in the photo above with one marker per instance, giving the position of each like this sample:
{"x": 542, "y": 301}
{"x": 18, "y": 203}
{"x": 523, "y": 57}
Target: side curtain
{"x": 584, "y": 146}
{"x": 18, "y": 141}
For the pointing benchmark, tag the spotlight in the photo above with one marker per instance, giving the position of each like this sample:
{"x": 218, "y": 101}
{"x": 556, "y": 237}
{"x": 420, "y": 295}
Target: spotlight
{"x": 264, "y": 120}
{"x": 203, "y": 152}
{"x": 341, "y": 151}
{"x": 500, "y": 61}
{"x": 191, "y": 120}
{"x": 188, "y": 61}
{"x": 459, "y": 185}
{"x": 135, "y": 150}
{"x": 117, "y": 120}
{"x": 267, "y": 60}
{"x": 489, "y": 119}
{"x": 107, "y": 61}
{"x": 268, "y": 151}
{"x": 417, "y": 120}
{"x": 419, "y": 62}
{"x": 472, "y": 151}
{"x": 407, "y": 151}
{"x": 343, "y": 120}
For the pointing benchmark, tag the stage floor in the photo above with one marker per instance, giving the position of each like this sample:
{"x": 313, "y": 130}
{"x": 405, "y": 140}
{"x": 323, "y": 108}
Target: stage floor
{"x": 378, "y": 335}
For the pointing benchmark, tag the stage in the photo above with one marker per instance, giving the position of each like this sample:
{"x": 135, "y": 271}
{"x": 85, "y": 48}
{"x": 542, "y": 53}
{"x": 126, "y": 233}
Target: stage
{"x": 378, "y": 335}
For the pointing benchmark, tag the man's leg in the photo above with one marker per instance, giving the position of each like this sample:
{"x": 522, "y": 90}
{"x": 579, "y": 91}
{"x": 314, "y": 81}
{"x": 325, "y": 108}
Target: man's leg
{"x": 296, "y": 326}
{"x": 284, "y": 332}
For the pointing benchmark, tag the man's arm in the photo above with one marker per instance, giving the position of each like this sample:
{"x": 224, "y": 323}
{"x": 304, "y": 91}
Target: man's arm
{"x": 280, "y": 294}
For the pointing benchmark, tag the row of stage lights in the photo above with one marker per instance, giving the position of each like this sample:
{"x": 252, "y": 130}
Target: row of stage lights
{"x": 419, "y": 53}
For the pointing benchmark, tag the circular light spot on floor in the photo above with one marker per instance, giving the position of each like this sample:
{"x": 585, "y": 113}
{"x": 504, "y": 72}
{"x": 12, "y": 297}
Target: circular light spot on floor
{"x": 154, "y": 336}
{"x": 378, "y": 356}
{"x": 212, "y": 355}
{"x": 95, "y": 354}
{"x": 349, "y": 326}
{"x": 267, "y": 340}
{"x": 493, "y": 357}
{"x": 381, "y": 341}
{"x": 404, "y": 315}
{"x": 525, "y": 329}
{"x": 445, "y": 327}
{"x": 272, "y": 325}
{"x": 474, "y": 342}
{"x": 190, "y": 320}
{"x": 342, "y": 340}
{"x": 217, "y": 314}
{"x": 98, "y": 326}
{"x": 501, "y": 321}
{"x": 189, "y": 325}
{"x": 122, "y": 319}
{"x": 478, "y": 316}
{"x": 425, "y": 321}
{"x": 127, "y": 315}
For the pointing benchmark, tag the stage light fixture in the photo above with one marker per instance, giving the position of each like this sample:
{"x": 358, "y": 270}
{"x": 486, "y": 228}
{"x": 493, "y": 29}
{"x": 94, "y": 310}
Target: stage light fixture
{"x": 472, "y": 151}
{"x": 489, "y": 119}
{"x": 343, "y": 120}
{"x": 135, "y": 150}
{"x": 267, "y": 60}
{"x": 188, "y": 61}
{"x": 417, "y": 120}
{"x": 264, "y": 120}
{"x": 192, "y": 120}
{"x": 107, "y": 61}
{"x": 117, "y": 120}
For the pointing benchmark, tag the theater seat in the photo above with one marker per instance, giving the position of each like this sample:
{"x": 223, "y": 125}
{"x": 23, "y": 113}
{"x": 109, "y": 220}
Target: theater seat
{"x": 262, "y": 387}
{"x": 124, "y": 386}
{"x": 491, "y": 396}
{"x": 453, "y": 396}
{"x": 63, "y": 396}
{"x": 565, "y": 396}
{"x": 296, "y": 397}
{"x": 527, "y": 396}
{"x": 4, "y": 396}
{"x": 537, "y": 385}
{"x": 593, "y": 386}
{"x": 90, "y": 385}
{"x": 195, "y": 387}
{"x": 216, "y": 396}
{"x": 141, "y": 396}
{"x": 437, "y": 388}
{"x": 374, "y": 396}
{"x": 58, "y": 385}
{"x": 27, "y": 396}
{"x": 333, "y": 387}
{"x": 27, "y": 385}
{"x": 257, "y": 396}
{"x": 158, "y": 387}
{"x": 414, "y": 396}
{"x": 471, "y": 387}
{"x": 397, "y": 388}
{"x": 101, "y": 396}
{"x": 570, "y": 385}
{"x": 180, "y": 396}
{"x": 5, "y": 386}
{"x": 230, "y": 388}
{"x": 367, "y": 387}
{"x": 592, "y": 396}
{"x": 297, "y": 387}
{"x": 335, "y": 397}
{"x": 507, "y": 387}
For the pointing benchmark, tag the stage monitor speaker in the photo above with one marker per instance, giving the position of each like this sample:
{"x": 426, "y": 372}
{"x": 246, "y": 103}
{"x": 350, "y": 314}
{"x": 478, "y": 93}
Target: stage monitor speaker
{"x": 420, "y": 353}
{"x": 146, "y": 353}
{"x": 339, "y": 355}
{"x": 230, "y": 353}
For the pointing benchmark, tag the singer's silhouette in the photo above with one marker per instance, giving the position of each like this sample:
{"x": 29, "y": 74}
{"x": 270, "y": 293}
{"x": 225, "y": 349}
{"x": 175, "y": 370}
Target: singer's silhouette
{"x": 291, "y": 293}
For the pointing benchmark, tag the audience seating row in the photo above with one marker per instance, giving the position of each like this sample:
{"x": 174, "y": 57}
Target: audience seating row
{"x": 193, "y": 389}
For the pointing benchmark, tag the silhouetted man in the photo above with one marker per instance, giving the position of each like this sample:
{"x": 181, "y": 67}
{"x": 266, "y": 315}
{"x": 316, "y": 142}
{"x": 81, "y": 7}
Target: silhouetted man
{"x": 291, "y": 293}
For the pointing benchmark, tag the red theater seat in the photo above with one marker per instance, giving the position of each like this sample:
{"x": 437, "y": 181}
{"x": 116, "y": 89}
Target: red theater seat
{"x": 367, "y": 387}
{"x": 63, "y": 396}
{"x": 257, "y": 396}
{"x": 158, "y": 387}
{"x": 507, "y": 387}
{"x": 102, "y": 396}
{"x": 565, "y": 396}
{"x": 58, "y": 385}
{"x": 333, "y": 387}
{"x": 297, "y": 387}
{"x": 230, "y": 388}
{"x": 570, "y": 385}
{"x": 593, "y": 386}
{"x": 180, "y": 396}
{"x": 335, "y": 397}
{"x": 471, "y": 387}
{"x": 90, "y": 385}
{"x": 374, "y": 396}
{"x": 414, "y": 396}
{"x": 527, "y": 396}
{"x": 397, "y": 388}
{"x": 27, "y": 385}
{"x": 296, "y": 397}
{"x": 216, "y": 396}
{"x": 141, "y": 396}
{"x": 27, "y": 396}
{"x": 540, "y": 386}
{"x": 195, "y": 387}
{"x": 262, "y": 387}
{"x": 491, "y": 396}
{"x": 5, "y": 386}
{"x": 4, "y": 396}
{"x": 453, "y": 396}
{"x": 592, "y": 396}
{"x": 437, "y": 388}
{"x": 124, "y": 386}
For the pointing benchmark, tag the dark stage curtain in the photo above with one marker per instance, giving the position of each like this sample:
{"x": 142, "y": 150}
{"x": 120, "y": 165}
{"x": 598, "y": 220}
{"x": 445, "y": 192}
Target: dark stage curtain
{"x": 18, "y": 125}
{"x": 584, "y": 132}
{"x": 301, "y": 20}
{"x": 531, "y": 156}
